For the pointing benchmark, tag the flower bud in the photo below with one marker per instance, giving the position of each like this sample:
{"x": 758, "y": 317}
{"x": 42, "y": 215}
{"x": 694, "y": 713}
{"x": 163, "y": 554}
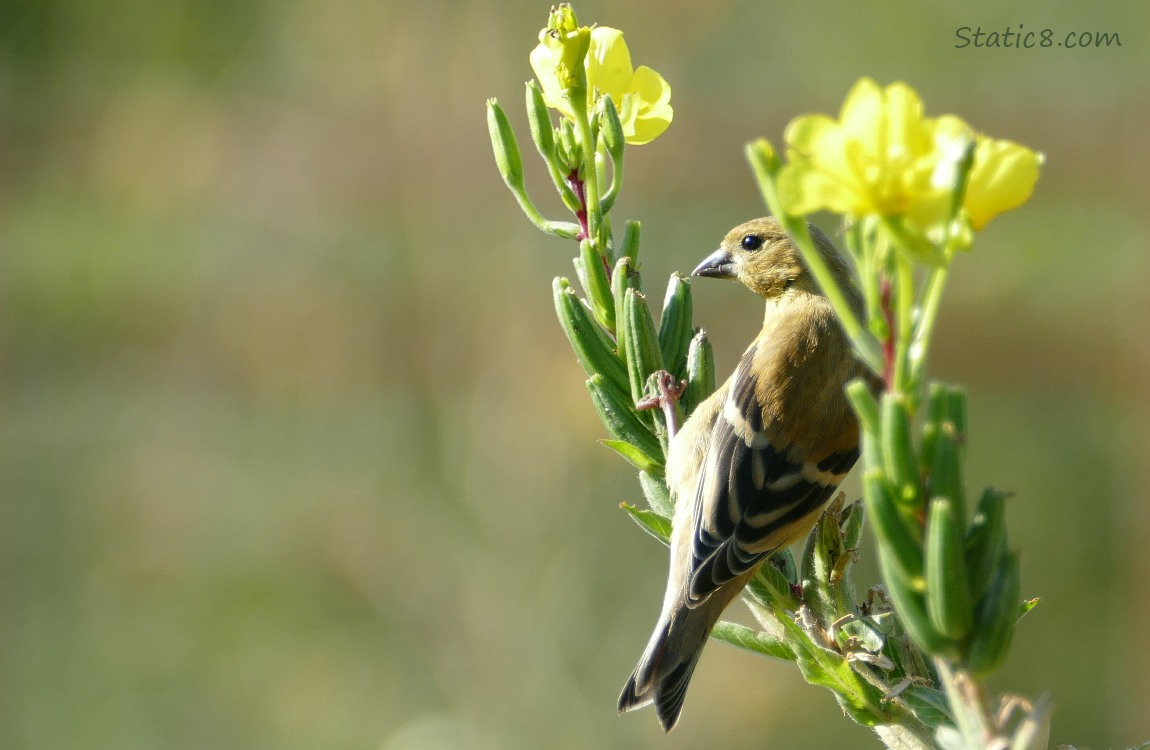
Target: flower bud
{"x": 542, "y": 132}
{"x": 504, "y": 147}
{"x": 611, "y": 128}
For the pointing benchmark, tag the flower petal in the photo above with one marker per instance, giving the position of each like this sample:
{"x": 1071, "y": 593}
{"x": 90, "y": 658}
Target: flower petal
{"x": 608, "y": 62}
{"x": 544, "y": 61}
{"x": 1002, "y": 178}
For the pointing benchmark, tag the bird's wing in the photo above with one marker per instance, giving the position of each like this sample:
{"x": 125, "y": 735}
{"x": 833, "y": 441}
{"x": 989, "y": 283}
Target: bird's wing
{"x": 753, "y": 496}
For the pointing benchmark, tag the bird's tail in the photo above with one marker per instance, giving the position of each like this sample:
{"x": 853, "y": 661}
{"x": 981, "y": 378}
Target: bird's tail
{"x": 665, "y": 669}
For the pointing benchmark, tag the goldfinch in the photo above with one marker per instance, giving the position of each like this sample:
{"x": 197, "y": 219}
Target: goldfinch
{"x": 753, "y": 466}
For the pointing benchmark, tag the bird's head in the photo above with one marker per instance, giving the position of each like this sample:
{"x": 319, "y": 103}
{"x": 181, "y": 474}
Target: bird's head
{"x": 764, "y": 258}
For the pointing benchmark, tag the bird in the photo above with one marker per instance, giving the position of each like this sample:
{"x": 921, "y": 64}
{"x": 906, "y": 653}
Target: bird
{"x": 753, "y": 465}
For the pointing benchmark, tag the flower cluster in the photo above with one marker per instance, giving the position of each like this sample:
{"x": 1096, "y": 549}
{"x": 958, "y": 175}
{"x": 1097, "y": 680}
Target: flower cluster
{"x": 565, "y": 51}
{"x": 883, "y": 157}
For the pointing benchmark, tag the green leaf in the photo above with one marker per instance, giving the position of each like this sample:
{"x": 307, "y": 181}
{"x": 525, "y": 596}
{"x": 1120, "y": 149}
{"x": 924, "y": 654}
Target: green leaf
{"x": 655, "y": 490}
{"x": 634, "y": 456}
{"x": 929, "y": 705}
{"x": 752, "y": 640}
{"x": 655, "y": 524}
{"x": 770, "y": 586}
{"x": 821, "y": 666}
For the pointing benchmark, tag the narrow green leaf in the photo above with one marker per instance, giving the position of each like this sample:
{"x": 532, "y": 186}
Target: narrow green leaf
{"x": 770, "y": 587}
{"x": 929, "y": 705}
{"x": 752, "y": 640}
{"x": 634, "y": 456}
{"x": 655, "y": 490}
{"x": 653, "y": 523}
{"x": 935, "y": 415}
{"x": 821, "y": 666}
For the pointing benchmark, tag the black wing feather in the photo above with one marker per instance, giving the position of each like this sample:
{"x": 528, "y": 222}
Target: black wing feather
{"x": 738, "y": 517}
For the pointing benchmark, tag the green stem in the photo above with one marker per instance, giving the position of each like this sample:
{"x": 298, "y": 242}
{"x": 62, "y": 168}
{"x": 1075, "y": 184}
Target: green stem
{"x": 904, "y": 324}
{"x": 920, "y": 344}
{"x": 616, "y": 183}
{"x": 589, "y": 175}
{"x": 565, "y": 229}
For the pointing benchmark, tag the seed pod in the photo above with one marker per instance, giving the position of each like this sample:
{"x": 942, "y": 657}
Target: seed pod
{"x": 539, "y": 118}
{"x": 947, "y": 593}
{"x": 899, "y": 457}
{"x": 610, "y": 128}
{"x": 675, "y": 325}
{"x": 619, "y": 417}
{"x": 996, "y": 617}
{"x": 911, "y": 610}
{"x": 598, "y": 285}
{"x": 936, "y": 409}
{"x": 643, "y": 357}
{"x": 592, "y": 347}
{"x": 852, "y": 525}
{"x": 896, "y": 537}
{"x": 630, "y": 246}
{"x": 986, "y": 541}
{"x": 700, "y": 372}
{"x": 624, "y": 277}
{"x": 945, "y": 478}
{"x": 865, "y": 406}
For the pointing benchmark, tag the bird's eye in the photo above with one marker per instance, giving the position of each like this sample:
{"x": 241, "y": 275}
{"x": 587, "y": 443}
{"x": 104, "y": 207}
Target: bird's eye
{"x": 751, "y": 242}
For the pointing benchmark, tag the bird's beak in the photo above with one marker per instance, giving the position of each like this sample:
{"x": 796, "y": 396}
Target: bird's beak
{"x": 717, "y": 265}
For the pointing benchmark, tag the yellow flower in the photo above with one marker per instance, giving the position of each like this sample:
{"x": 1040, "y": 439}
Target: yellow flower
{"x": 884, "y": 157}
{"x": 877, "y": 158}
{"x": 641, "y": 95}
{"x": 1002, "y": 178}
{"x": 565, "y": 43}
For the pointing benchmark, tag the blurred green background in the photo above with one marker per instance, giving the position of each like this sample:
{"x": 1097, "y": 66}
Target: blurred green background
{"x": 295, "y": 455}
